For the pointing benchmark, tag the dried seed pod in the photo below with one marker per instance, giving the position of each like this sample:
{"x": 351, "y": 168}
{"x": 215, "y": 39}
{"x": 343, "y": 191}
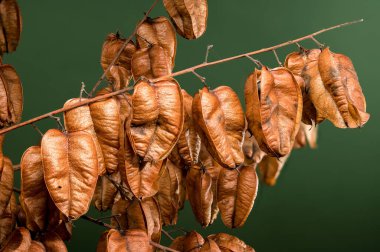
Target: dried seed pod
{"x": 64, "y": 230}
{"x": 342, "y": 85}
{"x": 11, "y": 97}
{"x": 105, "y": 192}
{"x": 296, "y": 62}
{"x": 230, "y": 243}
{"x": 53, "y": 242}
{"x": 79, "y": 120}
{"x": 270, "y": 168}
{"x": 105, "y": 116}
{"x": 189, "y": 16}
{"x": 151, "y": 63}
{"x": 1, "y": 150}
{"x": 189, "y": 141}
{"x": 34, "y": 193}
{"x": 221, "y": 124}
{"x": 158, "y": 31}
{"x": 70, "y": 170}
{"x": 11, "y": 25}
{"x": 19, "y": 240}
{"x": 210, "y": 246}
{"x": 36, "y": 246}
{"x": 8, "y": 219}
{"x": 251, "y": 149}
{"x": 191, "y": 242}
{"x": 6, "y": 184}
{"x": 237, "y": 190}
{"x": 138, "y": 240}
{"x": 274, "y": 109}
{"x": 122, "y": 67}
{"x": 157, "y": 119}
{"x": 307, "y": 134}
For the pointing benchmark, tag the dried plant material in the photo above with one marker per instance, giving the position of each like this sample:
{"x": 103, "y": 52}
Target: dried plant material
{"x": 270, "y": 168}
{"x": 36, "y": 246}
{"x": 158, "y": 31}
{"x": 237, "y": 190}
{"x": 8, "y": 219}
{"x": 342, "y": 85}
{"x": 53, "y": 242}
{"x": 19, "y": 241}
{"x": 112, "y": 241}
{"x": 252, "y": 152}
{"x": 64, "y": 230}
{"x": 105, "y": 116}
{"x": 105, "y": 192}
{"x": 70, "y": 170}
{"x": 10, "y": 24}
{"x": 199, "y": 186}
{"x": 210, "y": 246}
{"x": 274, "y": 109}
{"x": 157, "y": 119}
{"x": 297, "y": 62}
{"x": 230, "y": 243}
{"x": 1, "y": 150}
{"x": 307, "y": 134}
{"x": 221, "y": 124}
{"x": 6, "y": 184}
{"x": 79, "y": 120}
{"x": 122, "y": 67}
{"x": 137, "y": 240}
{"x": 11, "y": 96}
{"x": 34, "y": 193}
{"x": 192, "y": 241}
{"x": 189, "y": 141}
{"x": 151, "y": 63}
{"x": 189, "y": 16}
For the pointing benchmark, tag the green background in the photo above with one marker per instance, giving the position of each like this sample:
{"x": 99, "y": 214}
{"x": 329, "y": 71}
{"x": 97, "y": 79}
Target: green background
{"x": 325, "y": 200}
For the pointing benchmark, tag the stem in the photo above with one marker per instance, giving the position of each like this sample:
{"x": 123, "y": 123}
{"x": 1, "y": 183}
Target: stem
{"x": 16, "y": 190}
{"x": 167, "y": 234}
{"x": 117, "y": 56}
{"x": 101, "y": 223}
{"x": 16, "y": 167}
{"x": 159, "y": 246}
{"x": 184, "y": 71}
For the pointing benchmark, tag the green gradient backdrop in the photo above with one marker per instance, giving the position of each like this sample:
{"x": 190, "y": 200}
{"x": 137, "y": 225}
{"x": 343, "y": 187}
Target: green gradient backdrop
{"x": 325, "y": 200}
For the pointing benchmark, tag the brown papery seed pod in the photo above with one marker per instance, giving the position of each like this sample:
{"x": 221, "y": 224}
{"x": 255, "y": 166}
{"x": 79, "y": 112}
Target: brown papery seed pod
{"x": 157, "y": 119}
{"x": 33, "y": 189}
{"x": 221, "y": 124}
{"x": 307, "y": 134}
{"x": 37, "y": 246}
{"x": 11, "y": 96}
{"x": 71, "y": 184}
{"x": 19, "y": 240}
{"x": 252, "y": 152}
{"x": 270, "y": 168}
{"x": 158, "y": 31}
{"x": 151, "y": 63}
{"x": 8, "y": 219}
{"x": 122, "y": 67}
{"x": 274, "y": 109}
{"x": 6, "y": 184}
{"x": 192, "y": 241}
{"x": 230, "y": 243}
{"x": 79, "y": 119}
{"x": 341, "y": 83}
{"x": 105, "y": 192}
{"x": 237, "y": 190}
{"x": 189, "y": 16}
{"x": 11, "y": 25}
{"x": 53, "y": 242}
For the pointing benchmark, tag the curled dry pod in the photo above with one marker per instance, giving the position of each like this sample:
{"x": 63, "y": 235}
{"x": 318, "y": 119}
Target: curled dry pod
{"x": 189, "y": 142}
{"x": 151, "y": 63}
{"x": 8, "y": 219}
{"x": 221, "y": 124}
{"x": 6, "y": 184}
{"x": 133, "y": 240}
{"x": 237, "y": 190}
{"x": 122, "y": 67}
{"x": 270, "y": 168}
{"x": 210, "y": 246}
{"x": 53, "y": 242}
{"x": 252, "y": 152}
{"x": 19, "y": 240}
{"x": 158, "y": 31}
{"x": 105, "y": 192}
{"x": 70, "y": 170}
{"x": 297, "y": 63}
{"x": 79, "y": 120}
{"x": 36, "y": 246}
{"x": 341, "y": 83}
{"x": 105, "y": 116}
{"x": 11, "y": 25}
{"x": 34, "y": 194}
{"x": 274, "y": 109}
{"x": 191, "y": 242}
{"x": 307, "y": 134}
{"x": 230, "y": 243}
{"x": 1, "y": 150}
{"x": 157, "y": 119}
{"x": 189, "y": 16}
{"x": 11, "y": 96}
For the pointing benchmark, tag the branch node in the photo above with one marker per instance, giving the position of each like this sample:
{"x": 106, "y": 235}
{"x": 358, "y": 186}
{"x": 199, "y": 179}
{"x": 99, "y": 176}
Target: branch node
{"x": 201, "y": 78}
{"x": 209, "y": 47}
{"x": 82, "y": 90}
{"x": 277, "y": 58}
{"x": 58, "y": 120}
{"x": 257, "y": 62}
{"x": 320, "y": 45}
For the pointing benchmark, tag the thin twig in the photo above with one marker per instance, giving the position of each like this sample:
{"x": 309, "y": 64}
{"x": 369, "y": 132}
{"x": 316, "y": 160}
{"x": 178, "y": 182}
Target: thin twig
{"x": 16, "y": 190}
{"x": 200, "y": 77}
{"x": 167, "y": 234}
{"x": 117, "y": 56}
{"x": 82, "y": 90}
{"x": 126, "y": 194}
{"x": 159, "y": 246}
{"x": 184, "y": 71}
{"x": 209, "y": 47}
{"x": 101, "y": 223}
{"x": 58, "y": 120}
{"x": 320, "y": 45}
{"x": 257, "y": 62}
{"x": 37, "y": 129}
{"x": 16, "y": 167}
{"x": 108, "y": 217}
{"x": 277, "y": 58}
